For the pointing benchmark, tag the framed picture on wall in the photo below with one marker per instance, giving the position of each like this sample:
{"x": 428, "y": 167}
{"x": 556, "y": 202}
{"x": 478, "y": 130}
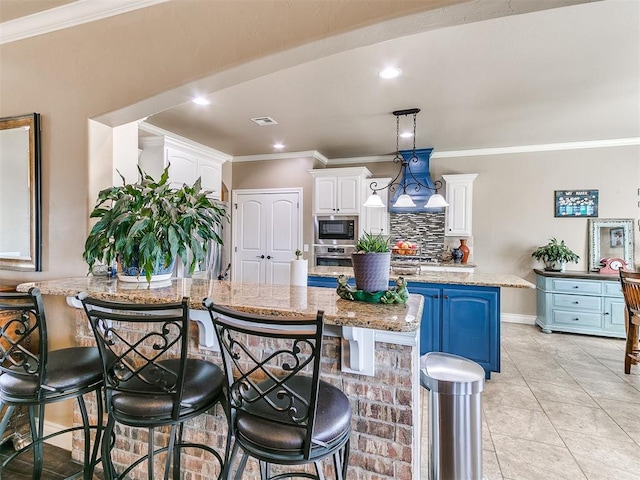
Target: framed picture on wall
{"x": 576, "y": 203}
{"x": 616, "y": 237}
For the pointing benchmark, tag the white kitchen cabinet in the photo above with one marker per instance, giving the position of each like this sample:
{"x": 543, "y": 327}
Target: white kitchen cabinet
{"x": 375, "y": 219}
{"x": 186, "y": 162}
{"x": 459, "y": 196}
{"x": 336, "y": 191}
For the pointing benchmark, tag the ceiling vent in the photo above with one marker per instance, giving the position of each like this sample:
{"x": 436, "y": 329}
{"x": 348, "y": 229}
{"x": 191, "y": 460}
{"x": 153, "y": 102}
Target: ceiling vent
{"x": 262, "y": 121}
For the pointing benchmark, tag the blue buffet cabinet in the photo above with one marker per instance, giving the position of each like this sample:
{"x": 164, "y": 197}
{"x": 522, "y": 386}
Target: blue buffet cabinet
{"x": 459, "y": 319}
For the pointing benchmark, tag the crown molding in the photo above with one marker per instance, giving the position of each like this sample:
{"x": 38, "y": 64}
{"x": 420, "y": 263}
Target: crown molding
{"x": 66, "y": 16}
{"x": 549, "y": 147}
{"x": 282, "y": 156}
{"x": 165, "y": 136}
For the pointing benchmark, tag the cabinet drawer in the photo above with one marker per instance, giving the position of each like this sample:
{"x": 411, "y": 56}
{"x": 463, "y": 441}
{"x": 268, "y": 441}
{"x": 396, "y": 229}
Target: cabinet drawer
{"x": 576, "y": 286}
{"x": 577, "y": 319}
{"x": 612, "y": 288}
{"x": 577, "y": 302}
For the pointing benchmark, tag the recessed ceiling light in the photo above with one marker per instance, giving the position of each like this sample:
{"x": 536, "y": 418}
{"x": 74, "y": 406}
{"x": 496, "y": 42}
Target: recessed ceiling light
{"x": 406, "y": 135}
{"x": 279, "y": 146}
{"x": 201, "y": 101}
{"x": 390, "y": 72}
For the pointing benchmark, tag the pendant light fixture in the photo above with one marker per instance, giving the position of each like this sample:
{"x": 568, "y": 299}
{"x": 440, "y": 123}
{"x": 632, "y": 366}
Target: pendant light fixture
{"x": 405, "y": 180}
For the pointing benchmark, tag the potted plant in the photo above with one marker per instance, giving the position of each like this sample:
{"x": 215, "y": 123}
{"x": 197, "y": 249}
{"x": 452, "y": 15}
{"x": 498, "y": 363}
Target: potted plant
{"x": 371, "y": 262}
{"x": 555, "y": 255}
{"x": 146, "y": 225}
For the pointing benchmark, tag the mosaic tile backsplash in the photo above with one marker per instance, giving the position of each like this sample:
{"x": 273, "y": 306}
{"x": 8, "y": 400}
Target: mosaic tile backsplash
{"x": 424, "y": 229}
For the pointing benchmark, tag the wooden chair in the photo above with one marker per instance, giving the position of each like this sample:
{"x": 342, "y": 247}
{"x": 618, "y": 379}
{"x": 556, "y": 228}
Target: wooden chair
{"x": 281, "y": 413}
{"x": 150, "y": 380}
{"x": 34, "y": 380}
{"x": 631, "y": 290}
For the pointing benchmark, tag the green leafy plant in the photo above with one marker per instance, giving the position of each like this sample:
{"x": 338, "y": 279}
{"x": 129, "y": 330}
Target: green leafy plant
{"x": 149, "y": 223}
{"x": 369, "y": 243}
{"x": 555, "y": 252}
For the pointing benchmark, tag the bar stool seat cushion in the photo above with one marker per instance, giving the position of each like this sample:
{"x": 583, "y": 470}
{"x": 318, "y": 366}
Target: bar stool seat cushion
{"x": 204, "y": 382}
{"x": 332, "y": 422}
{"x": 68, "y": 369}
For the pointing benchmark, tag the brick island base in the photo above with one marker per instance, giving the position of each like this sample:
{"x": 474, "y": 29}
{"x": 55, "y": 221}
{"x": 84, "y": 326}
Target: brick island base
{"x": 385, "y": 441}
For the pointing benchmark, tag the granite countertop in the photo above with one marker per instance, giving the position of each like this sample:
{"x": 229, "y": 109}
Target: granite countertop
{"x": 263, "y": 299}
{"x": 453, "y": 278}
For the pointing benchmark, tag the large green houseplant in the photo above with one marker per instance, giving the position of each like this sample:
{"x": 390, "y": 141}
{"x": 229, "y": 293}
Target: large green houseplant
{"x": 371, "y": 262}
{"x": 555, "y": 255}
{"x": 148, "y": 224}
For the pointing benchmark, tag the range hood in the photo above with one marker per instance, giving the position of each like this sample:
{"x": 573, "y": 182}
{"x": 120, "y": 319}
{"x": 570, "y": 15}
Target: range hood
{"x": 420, "y": 171}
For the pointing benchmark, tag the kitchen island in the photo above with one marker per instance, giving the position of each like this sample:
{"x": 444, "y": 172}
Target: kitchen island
{"x": 385, "y": 406}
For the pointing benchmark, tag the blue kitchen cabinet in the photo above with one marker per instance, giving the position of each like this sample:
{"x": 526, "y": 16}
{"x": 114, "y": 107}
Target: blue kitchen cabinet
{"x": 463, "y": 320}
{"x": 459, "y": 319}
{"x": 471, "y": 325}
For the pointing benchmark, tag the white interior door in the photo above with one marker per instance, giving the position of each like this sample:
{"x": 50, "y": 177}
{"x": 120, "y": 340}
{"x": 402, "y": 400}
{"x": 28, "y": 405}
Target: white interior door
{"x": 267, "y": 232}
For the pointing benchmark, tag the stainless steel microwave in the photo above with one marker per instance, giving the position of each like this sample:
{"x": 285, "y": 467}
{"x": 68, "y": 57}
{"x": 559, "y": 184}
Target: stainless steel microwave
{"x": 336, "y": 230}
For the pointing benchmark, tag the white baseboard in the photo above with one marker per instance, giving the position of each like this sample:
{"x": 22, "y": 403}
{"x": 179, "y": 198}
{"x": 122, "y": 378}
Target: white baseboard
{"x": 62, "y": 441}
{"x": 518, "y": 318}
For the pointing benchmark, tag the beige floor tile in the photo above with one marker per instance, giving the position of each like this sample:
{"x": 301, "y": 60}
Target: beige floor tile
{"x": 490, "y": 466}
{"x": 509, "y": 395}
{"x": 609, "y": 458}
{"x": 522, "y": 423}
{"x": 574, "y": 395}
{"x": 527, "y": 460}
{"x": 613, "y": 388}
{"x": 625, "y": 415}
{"x": 583, "y": 420}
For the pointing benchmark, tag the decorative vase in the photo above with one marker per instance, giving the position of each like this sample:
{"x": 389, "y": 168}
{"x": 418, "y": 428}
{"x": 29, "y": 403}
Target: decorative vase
{"x": 133, "y": 274}
{"x": 457, "y": 255}
{"x": 371, "y": 270}
{"x": 555, "y": 266}
{"x": 464, "y": 249}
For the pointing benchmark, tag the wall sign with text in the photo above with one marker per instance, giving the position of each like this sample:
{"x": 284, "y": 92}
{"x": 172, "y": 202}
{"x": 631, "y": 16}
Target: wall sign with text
{"x": 576, "y": 203}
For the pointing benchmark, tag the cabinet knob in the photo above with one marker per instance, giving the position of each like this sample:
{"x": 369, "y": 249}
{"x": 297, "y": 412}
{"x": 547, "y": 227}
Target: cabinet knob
{"x": 268, "y": 257}
{"x": 435, "y": 296}
{"x": 576, "y": 286}
{"x": 445, "y": 296}
{"x": 576, "y": 302}
{"x": 606, "y": 313}
{"x": 259, "y": 256}
{"x": 575, "y": 319}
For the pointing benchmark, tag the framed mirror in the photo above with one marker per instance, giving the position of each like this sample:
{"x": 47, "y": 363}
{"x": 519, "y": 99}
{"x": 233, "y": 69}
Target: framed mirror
{"x": 610, "y": 237}
{"x": 20, "y": 193}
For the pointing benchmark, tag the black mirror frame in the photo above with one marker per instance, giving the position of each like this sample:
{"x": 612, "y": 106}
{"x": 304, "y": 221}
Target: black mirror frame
{"x": 34, "y": 262}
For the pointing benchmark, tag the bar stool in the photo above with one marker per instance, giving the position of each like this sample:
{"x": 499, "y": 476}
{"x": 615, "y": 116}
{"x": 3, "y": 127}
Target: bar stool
{"x": 149, "y": 380}
{"x": 630, "y": 282}
{"x": 280, "y": 411}
{"x": 33, "y": 380}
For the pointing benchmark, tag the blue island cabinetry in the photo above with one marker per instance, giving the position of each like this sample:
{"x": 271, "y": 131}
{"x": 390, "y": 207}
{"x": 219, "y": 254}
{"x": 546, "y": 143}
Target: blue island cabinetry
{"x": 459, "y": 319}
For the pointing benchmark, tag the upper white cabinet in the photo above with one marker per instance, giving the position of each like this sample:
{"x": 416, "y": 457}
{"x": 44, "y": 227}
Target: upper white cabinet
{"x": 375, "y": 220}
{"x": 337, "y": 190}
{"x": 186, "y": 162}
{"x": 459, "y": 196}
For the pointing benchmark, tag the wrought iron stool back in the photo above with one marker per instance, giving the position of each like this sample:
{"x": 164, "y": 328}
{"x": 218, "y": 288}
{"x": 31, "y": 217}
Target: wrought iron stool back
{"x": 36, "y": 379}
{"x": 280, "y": 411}
{"x": 149, "y": 379}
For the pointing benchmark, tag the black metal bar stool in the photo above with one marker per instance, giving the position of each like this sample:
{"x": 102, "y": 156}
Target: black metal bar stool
{"x": 150, "y": 382}
{"x": 34, "y": 380}
{"x": 280, "y": 411}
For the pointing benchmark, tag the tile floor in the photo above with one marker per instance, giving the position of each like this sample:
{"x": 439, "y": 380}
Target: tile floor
{"x": 562, "y": 408}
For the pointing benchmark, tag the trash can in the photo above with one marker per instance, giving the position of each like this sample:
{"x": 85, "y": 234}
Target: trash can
{"x": 455, "y": 387}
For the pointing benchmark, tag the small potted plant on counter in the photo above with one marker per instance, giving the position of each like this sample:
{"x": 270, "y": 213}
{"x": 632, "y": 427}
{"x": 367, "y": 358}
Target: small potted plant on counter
{"x": 147, "y": 224}
{"x": 371, "y": 262}
{"x": 555, "y": 255}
